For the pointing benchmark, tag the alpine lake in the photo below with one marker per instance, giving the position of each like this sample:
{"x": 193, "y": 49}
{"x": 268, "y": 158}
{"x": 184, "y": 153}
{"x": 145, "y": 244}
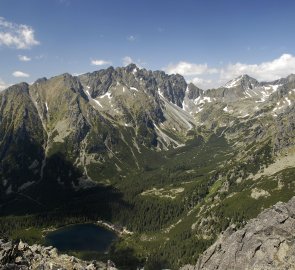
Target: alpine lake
{"x": 87, "y": 241}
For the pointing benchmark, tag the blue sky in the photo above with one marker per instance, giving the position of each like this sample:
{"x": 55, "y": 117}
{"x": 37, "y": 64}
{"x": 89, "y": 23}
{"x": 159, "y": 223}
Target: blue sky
{"x": 207, "y": 41}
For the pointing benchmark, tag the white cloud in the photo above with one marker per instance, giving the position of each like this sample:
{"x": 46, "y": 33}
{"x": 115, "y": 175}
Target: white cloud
{"x": 131, "y": 38}
{"x": 100, "y": 62}
{"x": 127, "y": 60}
{"x": 205, "y": 77}
{"x": 78, "y": 73}
{"x": 3, "y": 85}
{"x": 265, "y": 71}
{"x": 24, "y": 58}
{"x": 189, "y": 69}
{"x": 201, "y": 82}
{"x": 19, "y": 36}
{"x": 20, "y": 74}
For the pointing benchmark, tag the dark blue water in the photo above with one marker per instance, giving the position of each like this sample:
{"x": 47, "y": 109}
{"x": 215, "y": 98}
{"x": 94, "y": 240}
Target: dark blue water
{"x": 81, "y": 237}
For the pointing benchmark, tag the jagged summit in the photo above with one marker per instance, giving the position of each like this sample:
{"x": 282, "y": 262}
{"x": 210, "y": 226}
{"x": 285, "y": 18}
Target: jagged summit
{"x": 289, "y": 79}
{"x": 131, "y": 67}
{"x": 41, "y": 80}
{"x": 244, "y": 81}
{"x": 22, "y": 86}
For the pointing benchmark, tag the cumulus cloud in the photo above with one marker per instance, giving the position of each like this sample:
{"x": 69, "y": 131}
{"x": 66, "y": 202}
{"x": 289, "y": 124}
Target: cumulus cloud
{"x": 24, "y": 58}
{"x": 3, "y": 85}
{"x": 100, "y": 62}
{"x": 201, "y": 82}
{"x": 265, "y": 71}
{"x": 127, "y": 60}
{"x": 18, "y": 36}
{"x": 131, "y": 38}
{"x": 189, "y": 69}
{"x": 20, "y": 74}
{"x": 209, "y": 77}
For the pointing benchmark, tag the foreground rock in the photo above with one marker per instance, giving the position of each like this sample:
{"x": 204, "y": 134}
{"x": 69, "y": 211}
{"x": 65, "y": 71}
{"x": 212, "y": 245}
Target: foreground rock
{"x": 19, "y": 255}
{"x": 267, "y": 242}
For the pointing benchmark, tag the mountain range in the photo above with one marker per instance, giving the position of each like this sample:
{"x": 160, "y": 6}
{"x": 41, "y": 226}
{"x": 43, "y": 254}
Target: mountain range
{"x": 172, "y": 162}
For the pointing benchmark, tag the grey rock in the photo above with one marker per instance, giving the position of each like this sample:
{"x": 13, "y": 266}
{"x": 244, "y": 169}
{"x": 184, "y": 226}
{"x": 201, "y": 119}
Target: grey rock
{"x": 22, "y": 246}
{"x": 266, "y": 242}
{"x": 234, "y": 89}
{"x": 19, "y": 255}
{"x": 194, "y": 92}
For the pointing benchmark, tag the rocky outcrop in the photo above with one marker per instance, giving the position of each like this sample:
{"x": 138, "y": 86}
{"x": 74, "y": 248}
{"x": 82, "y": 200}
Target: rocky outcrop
{"x": 19, "y": 255}
{"x": 266, "y": 242}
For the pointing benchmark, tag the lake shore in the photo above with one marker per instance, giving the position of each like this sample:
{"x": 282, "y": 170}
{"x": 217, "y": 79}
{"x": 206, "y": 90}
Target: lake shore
{"x": 120, "y": 230}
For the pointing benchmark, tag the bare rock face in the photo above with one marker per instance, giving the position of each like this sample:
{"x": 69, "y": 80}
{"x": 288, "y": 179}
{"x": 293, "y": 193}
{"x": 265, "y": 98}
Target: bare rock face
{"x": 19, "y": 255}
{"x": 266, "y": 242}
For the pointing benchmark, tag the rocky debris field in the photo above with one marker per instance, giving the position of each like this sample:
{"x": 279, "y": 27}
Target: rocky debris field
{"x": 19, "y": 255}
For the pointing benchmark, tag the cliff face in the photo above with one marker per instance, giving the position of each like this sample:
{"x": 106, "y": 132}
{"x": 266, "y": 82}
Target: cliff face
{"x": 266, "y": 242}
{"x": 19, "y": 255}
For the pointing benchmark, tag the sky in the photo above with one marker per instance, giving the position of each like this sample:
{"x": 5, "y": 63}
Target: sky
{"x": 209, "y": 42}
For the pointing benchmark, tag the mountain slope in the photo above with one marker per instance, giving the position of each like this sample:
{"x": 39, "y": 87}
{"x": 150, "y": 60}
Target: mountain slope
{"x": 266, "y": 242}
{"x": 22, "y": 138}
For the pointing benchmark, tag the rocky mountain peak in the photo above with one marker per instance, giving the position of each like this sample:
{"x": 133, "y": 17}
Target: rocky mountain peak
{"x": 131, "y": 67}
{"x": 291, "y": 78}
{"x": 41, "y": 80}
{"x": 193, "y": 91}
{"x": 20, "y": 87}
{"x": 244, "y": 81}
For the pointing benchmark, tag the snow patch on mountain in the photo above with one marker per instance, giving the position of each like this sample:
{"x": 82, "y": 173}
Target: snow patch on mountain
{"x": 134, "y": 88}
{"x": 233, "y": 83}
{"x": 98, "y": 103}
{"x": 167, "y": 139}
{"x": 107, "y": 94}
{"x": 92, "y": 99}
{"x": 288, "y": 100}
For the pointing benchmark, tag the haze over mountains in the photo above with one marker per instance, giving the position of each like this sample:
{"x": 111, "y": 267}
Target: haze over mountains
{"x": 120, "y": 142}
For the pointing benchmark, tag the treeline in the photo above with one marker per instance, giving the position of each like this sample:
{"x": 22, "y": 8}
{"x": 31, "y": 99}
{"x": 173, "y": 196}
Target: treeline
{"x": 11, "y": 224}
{"x": 153, "y": 214}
